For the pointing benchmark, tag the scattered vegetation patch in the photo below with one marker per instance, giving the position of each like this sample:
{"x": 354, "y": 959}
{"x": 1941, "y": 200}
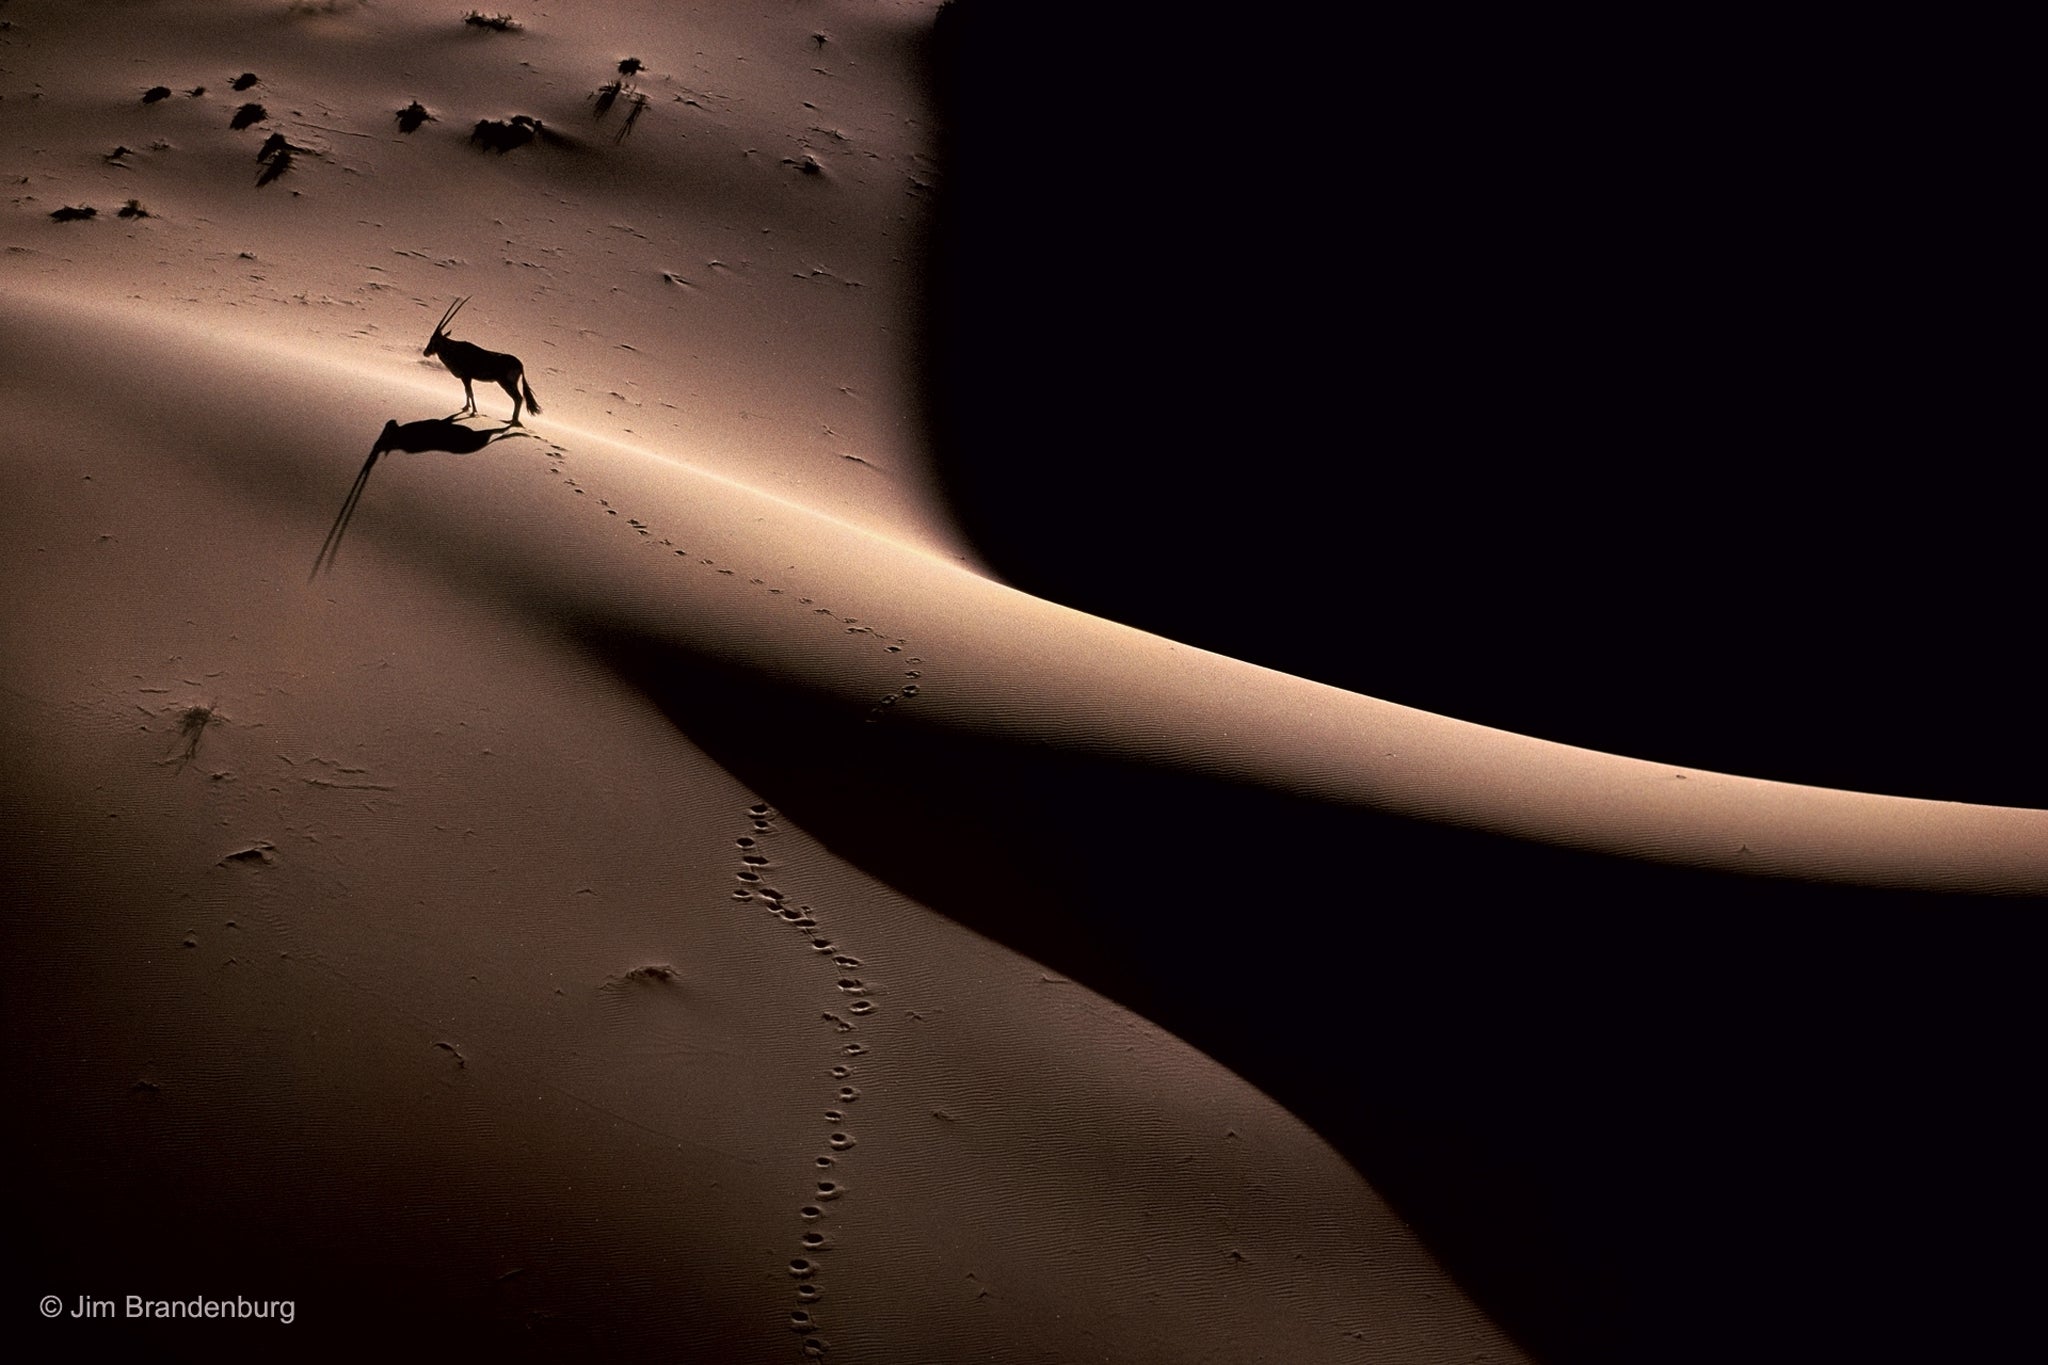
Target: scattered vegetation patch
{"x": 630, "y": 66}
{"x": 155, "y": 93}
{"x": 496, "y": 23}
{"x": 69, "y": 214}
{"x": 133, "y": 209}
{"x": 248, "y": 114}
{"x": 195, "y": 92}
{"x": 501, "y": 136}
{"x": 245, "y": 80}
{"x": 412, "y": 116}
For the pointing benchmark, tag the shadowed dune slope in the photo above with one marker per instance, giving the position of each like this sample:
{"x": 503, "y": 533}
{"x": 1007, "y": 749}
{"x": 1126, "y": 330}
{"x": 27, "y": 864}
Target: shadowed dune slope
{"x": 1563, "y": 1009}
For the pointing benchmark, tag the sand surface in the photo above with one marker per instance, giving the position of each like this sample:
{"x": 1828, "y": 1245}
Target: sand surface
{"x": 649, "y": 883}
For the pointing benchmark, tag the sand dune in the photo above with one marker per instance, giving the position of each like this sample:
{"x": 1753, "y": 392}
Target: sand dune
{"x": 645, "y": 884}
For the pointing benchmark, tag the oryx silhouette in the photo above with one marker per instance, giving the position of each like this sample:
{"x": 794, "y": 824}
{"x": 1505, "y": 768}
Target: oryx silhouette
{"x": 469, "y": 362}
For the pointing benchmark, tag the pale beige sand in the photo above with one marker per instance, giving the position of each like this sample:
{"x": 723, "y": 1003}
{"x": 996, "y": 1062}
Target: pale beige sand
{"x": 434, "y": 943}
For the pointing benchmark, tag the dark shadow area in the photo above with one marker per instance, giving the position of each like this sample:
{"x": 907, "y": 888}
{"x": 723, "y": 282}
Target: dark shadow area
{"x": 1641, "y": 1113}
{"x": 438, "y": 433}
{"x": 1646, "y": 404}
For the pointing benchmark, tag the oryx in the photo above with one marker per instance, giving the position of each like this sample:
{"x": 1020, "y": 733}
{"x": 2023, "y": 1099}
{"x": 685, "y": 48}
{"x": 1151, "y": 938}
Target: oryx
{"x": 468, "y": 363}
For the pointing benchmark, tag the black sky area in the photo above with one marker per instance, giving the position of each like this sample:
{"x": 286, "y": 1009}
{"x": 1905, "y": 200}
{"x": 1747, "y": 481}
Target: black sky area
{"x": 1627, "y": 388}
{"x": 1635, "y": 387}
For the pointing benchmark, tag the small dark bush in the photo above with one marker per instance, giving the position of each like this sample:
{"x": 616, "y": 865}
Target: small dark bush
{"x": 155, "y": 93}
{"x": 412, "y": 116}
{"x": 630, "y": 67}
{"x": 245, "y": 80}
{"x": 279, "y": 164}
{"x": 497, "y": 135}
{"x": 133, "y": 209}
{"x": 68, "y": 214}
{"x": 497, "y": 23}
{"x": 248, "y": 114}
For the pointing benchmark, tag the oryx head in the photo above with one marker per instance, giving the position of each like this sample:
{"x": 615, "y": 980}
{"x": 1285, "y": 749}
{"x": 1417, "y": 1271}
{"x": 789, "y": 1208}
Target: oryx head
{"x": 441, "y": 327}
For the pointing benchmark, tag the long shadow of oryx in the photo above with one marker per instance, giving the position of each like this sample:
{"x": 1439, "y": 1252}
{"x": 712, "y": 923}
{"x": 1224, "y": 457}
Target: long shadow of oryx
{"x": 439, "y": 433}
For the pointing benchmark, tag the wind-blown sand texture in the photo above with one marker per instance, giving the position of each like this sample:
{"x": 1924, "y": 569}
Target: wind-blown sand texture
{"x": 658, "y": 888}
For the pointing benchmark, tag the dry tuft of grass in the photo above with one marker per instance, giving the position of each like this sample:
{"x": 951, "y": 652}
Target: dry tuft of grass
{"x": 496, "y": 23}
{"x": 193, "y": 722}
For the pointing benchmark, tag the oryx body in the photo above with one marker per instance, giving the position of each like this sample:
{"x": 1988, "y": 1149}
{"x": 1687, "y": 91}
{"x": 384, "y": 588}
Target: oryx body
{"x": 469, "y": 363}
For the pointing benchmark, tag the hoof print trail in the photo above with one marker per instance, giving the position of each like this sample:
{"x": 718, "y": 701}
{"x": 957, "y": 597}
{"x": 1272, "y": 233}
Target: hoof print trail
{"x": 850, "y": 994}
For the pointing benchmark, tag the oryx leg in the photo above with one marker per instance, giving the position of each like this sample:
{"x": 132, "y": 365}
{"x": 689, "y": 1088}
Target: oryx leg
{"x": 468, "y": 398}
{"x": 510, "y": 384}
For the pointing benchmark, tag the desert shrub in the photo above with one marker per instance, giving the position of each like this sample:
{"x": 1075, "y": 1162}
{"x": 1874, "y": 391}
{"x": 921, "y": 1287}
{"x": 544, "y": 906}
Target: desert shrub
{"x": 611, "y": 92}
{"x": 155, "y": 93}
{"x": 248, "y": 114}
{"x": 133, "y": 209}
{"x": 497, "y": 23}
{"x": 632, "y": 115}
{"x": 68, "y": 214}
{"x": 278, "y": 154}
{"x": 498, "y": 135}
{"x": 245, "y": 80}
{"x": 412, "y": 116}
